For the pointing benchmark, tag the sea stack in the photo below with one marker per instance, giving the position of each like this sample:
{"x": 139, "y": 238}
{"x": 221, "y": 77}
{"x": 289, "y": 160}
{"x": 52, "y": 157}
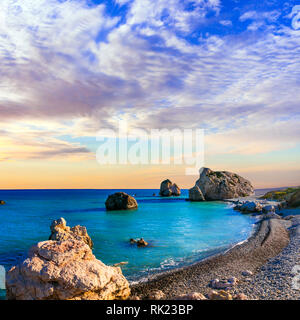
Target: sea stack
{"x": 120, "y": 201}
{"x": 168, "y": 189}
{"x": 221, "y": 185}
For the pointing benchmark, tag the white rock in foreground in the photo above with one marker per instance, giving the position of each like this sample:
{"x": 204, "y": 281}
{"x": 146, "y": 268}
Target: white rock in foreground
{"x": 65, "y": 270}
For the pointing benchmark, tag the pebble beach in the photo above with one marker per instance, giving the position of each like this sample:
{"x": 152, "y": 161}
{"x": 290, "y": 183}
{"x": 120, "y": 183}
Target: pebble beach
{"x": 269, "y": 254}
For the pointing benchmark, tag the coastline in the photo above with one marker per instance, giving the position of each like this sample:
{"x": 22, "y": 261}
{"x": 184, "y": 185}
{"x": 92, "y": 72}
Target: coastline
{"x": 269, "y": 240}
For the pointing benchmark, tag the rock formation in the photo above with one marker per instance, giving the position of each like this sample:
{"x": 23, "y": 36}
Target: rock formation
{"x": 220, "y": 185}
{"x": 61, "y": 232}
{"x": 168, "y": 189}
{"x": 195, "y": 194}
{"x": 120, "y": 201}
{"x": 2, "y": 202}
{"x": 65, "y": 270}
{"x": 294, "y": 201}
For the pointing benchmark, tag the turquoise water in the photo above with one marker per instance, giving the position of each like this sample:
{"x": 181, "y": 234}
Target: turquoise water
{"x": 179, "y": 232}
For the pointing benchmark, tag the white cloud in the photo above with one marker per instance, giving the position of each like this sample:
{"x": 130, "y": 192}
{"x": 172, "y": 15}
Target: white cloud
{"x": 55, "y": 74}
{"x": 226, "y": 23}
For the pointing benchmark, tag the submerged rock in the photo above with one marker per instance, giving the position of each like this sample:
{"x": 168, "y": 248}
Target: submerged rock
{"x": 168, "y": 189}
{"x": 61, "y": 232}
{"x": 120, "y": 201}
{"x": 2, "y": 202}
{"x": 195, "y": 194}
{"x": 65, "y": 270}
{"x": 220, "y": 185}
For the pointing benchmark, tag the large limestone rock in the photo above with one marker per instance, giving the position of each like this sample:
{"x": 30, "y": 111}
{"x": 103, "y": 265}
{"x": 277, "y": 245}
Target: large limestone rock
{"x": 168, "y": 189}
{"x": 65, "y": 270}
{"x": 195, "y": 194}
{"x": 120, "y": 201}
{"x": 220, "y": 185}
{"x": 61, "y": 232}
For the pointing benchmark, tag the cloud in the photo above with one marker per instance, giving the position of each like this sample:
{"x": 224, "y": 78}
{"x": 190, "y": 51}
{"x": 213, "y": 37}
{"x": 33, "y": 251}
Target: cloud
{"x": 71, "y": 69}
{"x": 226, "y": 23}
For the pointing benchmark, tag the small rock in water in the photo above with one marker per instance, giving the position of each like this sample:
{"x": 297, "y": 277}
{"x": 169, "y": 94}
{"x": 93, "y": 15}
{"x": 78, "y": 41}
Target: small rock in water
{"x": 247, "y": 273}
{"x": 133, "y": 241}
{"x": 142, "y": 243}
{"x": 120, "y": 264}
{"x": 221, "y": 295}
{"x": 2, "y": 202}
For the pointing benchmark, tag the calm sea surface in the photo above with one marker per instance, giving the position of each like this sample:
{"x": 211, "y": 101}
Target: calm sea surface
{"x": 179, "y": 232}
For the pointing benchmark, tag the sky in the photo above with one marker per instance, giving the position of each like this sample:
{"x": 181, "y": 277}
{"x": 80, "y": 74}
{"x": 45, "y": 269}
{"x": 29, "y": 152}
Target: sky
{"x": 71, "y": 68}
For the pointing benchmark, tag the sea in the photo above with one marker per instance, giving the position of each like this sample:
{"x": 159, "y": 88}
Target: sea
{"x": 179, "y": 232}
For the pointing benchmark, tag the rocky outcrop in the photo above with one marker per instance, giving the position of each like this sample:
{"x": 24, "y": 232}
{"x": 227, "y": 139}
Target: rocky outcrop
{"x": 65, "y": 270}
{"x": 120, "y": 201}
{"x": 195, "y": 194}
{"x": 294, "y": 201}
{"x": 220, "y": 185}
{"x": 2, "y": 202}
{"x": 168, "y": 189}
{"x": 249, "y": 207}
{"x": 257, "y": 207}
{"x": 61, "y": 232}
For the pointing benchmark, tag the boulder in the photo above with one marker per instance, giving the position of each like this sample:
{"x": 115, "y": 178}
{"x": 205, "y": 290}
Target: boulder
{"x": 271, "y": 215}
{"x": 2, "y": 202}
{"x": 251, "y": 207}
{"x": 220, "y": 185}
{"x": 155, "y": 295}
{"x": 61, "y": 232}
{"x": 240, "y": 296}
{"x": 268, "y": 208}
{"x": 191, "y": 296}
{"x": 219, "y": 295}
{"x": 223, "y": 284}
{"x": 247, "y": 273}
{"x": 142, "y": 243}
{"x": 195, "y": 194}
{"x": 168, "y": 189}
{"x": 120, "y": 201}
{"x": 65, "y": 270}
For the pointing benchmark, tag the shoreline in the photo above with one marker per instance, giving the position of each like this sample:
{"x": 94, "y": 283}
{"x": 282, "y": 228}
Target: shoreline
{"x": 269, "y": 238}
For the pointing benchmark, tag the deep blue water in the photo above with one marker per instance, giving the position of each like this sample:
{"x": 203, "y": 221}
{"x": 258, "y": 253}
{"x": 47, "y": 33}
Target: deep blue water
{"x": 179, "y": 232}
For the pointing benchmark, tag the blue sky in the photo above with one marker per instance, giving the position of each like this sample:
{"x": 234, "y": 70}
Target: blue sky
{"x": 70, "y": 68}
